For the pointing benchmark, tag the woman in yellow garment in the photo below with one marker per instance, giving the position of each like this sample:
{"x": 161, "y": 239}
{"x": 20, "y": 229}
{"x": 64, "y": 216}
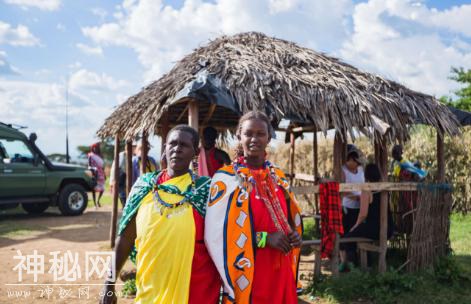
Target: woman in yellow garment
{"x": 164, "y": 220}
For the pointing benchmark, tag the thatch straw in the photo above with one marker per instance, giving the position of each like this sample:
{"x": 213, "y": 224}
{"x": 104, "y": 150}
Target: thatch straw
{"x": 286, "y": 81}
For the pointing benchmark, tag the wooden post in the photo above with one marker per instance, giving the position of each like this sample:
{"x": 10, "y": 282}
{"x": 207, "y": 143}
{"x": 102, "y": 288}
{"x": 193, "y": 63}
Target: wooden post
{"x": 337, "y": 161}
{"x": 144, "y": 152}
{"x": 193, "y": 114}
{"x": 334, "y": 261}
{"x": 164, "y": 129}
{"x": 114, "y": 212}
{"x": 382, "y": 156}
{"x": 440, "y": 158}
{"x": 292, "y": 147}
{"x": 315, "y": 158}
{"x": 128, "y": 166}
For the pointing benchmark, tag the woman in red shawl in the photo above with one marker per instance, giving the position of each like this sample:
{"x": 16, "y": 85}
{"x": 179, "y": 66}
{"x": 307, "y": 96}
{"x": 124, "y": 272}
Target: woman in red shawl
{"x": 253, "y": 226}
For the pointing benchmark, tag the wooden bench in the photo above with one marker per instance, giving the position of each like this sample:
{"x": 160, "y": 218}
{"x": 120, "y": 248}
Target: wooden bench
{"x": 363, "y": 245}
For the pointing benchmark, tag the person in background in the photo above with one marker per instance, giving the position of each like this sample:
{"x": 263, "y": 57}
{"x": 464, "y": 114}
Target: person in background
{"x": 151, "y": 164}
{"x": 253, "y": 225}
{"x": 96, "y": 162}
{"x": 367, "y": 223}
{"x": 402, "y": 167}
{"x": 352, "y": 172}
{"x": 121, "y": 182}
{"x": 211, "y": 158}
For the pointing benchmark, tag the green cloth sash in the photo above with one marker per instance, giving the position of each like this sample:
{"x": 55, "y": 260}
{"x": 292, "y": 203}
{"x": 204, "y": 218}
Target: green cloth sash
{"x": 144, "y": 185}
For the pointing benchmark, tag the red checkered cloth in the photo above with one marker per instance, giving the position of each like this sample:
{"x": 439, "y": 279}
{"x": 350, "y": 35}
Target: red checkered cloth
{"x": 331, "y": 216}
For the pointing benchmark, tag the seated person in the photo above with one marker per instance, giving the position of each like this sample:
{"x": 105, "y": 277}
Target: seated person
{"x": 368, "y": 221}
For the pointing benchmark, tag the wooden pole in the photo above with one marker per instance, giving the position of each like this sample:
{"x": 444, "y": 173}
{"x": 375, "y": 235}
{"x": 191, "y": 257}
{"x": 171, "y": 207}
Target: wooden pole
{"x": 165, "y": 128}
{"x": 128, "y": 166}
{"x": 315, "y": 157}
{"x": 383, "y": 228}
{"x": 315, "y": 173}
{"x": 292, "y": 147}
{"x": 193, "y": 114}
{"x": 144, "y": 152}
{"x": 337, "y": 161}
{"x": 114, "y": 212}
{"x": 440, "y": 158}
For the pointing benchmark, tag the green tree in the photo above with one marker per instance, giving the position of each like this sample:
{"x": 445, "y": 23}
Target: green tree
{"x": 463, "y": 102}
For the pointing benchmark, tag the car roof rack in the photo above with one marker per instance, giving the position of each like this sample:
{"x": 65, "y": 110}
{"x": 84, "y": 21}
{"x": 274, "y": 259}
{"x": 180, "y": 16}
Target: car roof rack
{"x": 13, "y": 126}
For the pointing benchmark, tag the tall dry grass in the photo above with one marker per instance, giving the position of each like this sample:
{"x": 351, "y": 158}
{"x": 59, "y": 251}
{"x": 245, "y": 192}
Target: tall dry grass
{"x": 421, "y": 147}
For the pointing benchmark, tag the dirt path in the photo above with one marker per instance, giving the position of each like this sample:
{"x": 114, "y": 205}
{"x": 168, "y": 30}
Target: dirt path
{"x": 47, "y": 233}
{"x": 52, "y": 232}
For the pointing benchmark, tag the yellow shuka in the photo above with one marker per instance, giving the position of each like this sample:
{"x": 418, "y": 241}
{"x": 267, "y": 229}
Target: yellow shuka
{"x": 165, "y": 248}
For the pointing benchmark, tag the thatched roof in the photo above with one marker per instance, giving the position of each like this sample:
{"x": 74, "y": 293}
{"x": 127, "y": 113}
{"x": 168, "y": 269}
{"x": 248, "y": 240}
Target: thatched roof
{"x": 253, "y": 71}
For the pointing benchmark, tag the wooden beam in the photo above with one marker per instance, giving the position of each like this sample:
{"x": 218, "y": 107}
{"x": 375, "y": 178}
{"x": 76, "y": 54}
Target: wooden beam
{"x": 315, "y": 175}
{"x": 337, "y": 156}
{"x": 165, "y": 128}
{"x": 114, "y": 211}
{"x": 212, "y": 107}
{"x": 383, "y": 221}
{"x": 315, "y": 156}
{"x": 128, "y": 166}
{"x": 144, "y": 152}
{"x": 193, "y": 114}
{"x": 440, "y": 158}
{"x": 348, "y": 187}
{"x": 334, "y": 260}
{"x": 182, "y": 113}
{"x": 292, "y": 142}
{"x": 304, "y": 129}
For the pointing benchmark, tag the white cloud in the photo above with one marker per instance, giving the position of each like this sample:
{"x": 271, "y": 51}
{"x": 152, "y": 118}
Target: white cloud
{"x": 5, "y": 67}
{"x": 100, "y": 12}
{"x": 19, "y": 36}
{"x": 161, "y": 35}
{"x": 410, "y": 43}
{"x": 75, "y": 65}
{"x": 87, "y": 80}
{"x": 41, "y": 107}
{"x": 45, "y": 5}
{"x": 60, "y": 27}
{"x": 89, "y": 49}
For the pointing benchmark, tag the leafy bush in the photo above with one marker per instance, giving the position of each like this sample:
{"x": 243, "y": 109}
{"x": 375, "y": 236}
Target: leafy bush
{"x": 129, "y": 288}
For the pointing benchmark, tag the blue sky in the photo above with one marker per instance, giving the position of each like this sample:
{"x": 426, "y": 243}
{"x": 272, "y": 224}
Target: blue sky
{"x": 106, "y": 51}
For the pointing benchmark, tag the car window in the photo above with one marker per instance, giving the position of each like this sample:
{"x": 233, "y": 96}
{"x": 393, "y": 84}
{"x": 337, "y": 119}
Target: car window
{"x": 15, "y": 151}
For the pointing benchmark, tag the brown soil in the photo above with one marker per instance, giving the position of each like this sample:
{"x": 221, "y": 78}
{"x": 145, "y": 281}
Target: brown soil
{"x": 47, "y": 233}
{"x": 51, "y": 232}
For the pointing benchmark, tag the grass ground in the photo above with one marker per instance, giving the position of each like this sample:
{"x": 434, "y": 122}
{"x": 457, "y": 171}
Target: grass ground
{"x": 449, "y": 283}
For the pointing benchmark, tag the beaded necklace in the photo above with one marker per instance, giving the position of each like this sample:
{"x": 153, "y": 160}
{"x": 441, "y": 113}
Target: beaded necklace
{"x": 265, "y": 182}
{"x": 172, "y": 209}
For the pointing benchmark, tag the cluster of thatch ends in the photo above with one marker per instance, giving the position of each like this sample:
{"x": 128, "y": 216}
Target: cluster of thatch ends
{"x": 253, "y": 71}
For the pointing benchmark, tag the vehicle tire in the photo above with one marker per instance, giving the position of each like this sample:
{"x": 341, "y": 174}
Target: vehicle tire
{"x": 72, "y": 199}
{"x": 35, "y": 208}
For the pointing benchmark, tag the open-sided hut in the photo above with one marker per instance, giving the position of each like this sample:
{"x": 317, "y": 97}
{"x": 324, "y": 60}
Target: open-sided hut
{"x": 231, "y": 75}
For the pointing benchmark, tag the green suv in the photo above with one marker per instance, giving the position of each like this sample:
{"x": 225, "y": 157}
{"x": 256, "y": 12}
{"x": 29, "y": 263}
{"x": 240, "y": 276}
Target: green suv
{"x": 28, "y": 177}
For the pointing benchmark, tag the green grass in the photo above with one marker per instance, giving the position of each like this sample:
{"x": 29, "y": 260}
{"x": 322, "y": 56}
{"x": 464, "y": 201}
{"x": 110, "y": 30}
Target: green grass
{"x": 450, "y": 282}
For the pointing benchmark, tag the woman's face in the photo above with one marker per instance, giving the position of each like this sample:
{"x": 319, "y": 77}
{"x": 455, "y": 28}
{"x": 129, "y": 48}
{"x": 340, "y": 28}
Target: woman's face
{"x": 254, "y": 137}
{"x": 179, "y": 150}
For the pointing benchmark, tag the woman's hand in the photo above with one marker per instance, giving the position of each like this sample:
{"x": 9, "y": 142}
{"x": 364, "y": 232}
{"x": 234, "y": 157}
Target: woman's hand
{"x": 295, "y": 239}
{"x": 108, "y": 294}
{"x": 280, "y": 241}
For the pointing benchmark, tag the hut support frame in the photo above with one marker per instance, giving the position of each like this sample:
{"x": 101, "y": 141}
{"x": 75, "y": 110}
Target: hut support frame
{"x": 114, "y": 212}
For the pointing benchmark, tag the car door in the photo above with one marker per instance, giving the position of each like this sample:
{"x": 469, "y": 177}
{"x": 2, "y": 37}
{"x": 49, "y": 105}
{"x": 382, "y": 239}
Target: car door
{"x": 20, "y": 175}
